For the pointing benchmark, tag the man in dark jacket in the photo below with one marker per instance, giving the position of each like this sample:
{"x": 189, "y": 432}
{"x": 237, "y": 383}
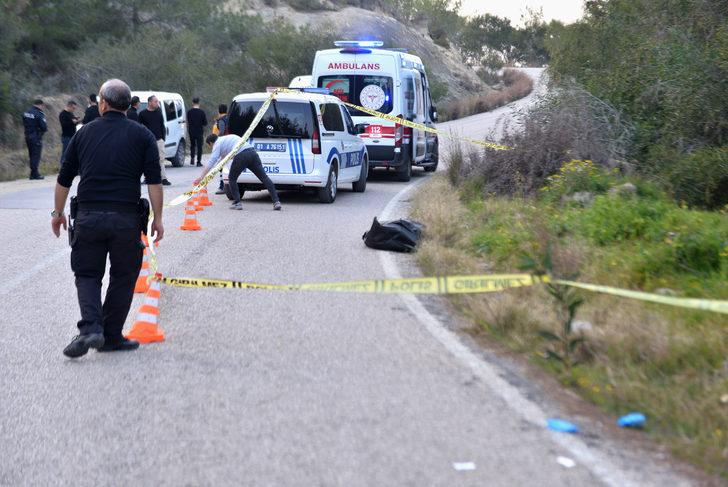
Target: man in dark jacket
{"x": 153, "y": 119}
{"x": 196, "y": 123}
{"x": 92, "y": 112}
{"x": 133, "y": 112}
{"x": 110, "y": 156}
{"x": 34, "y": 123}
{"x": 69, "y": 121}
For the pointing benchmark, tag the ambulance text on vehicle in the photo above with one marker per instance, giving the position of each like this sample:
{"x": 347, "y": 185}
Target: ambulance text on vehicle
{"x": 386, "y": 80}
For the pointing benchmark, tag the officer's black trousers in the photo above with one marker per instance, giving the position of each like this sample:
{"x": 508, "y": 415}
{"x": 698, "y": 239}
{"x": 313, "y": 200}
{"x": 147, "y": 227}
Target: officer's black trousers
{"x": 97, "y": 235}
{"x": 249, "y": 159}
{"x": 35, "y": 147}
{"x": 196, "y": 146}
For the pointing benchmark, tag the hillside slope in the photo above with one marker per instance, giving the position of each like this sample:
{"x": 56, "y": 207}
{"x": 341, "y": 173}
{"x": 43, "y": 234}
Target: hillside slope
{"x": 443, "y": 65}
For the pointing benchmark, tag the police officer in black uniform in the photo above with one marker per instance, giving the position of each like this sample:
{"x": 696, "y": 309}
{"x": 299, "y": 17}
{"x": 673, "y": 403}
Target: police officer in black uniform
{"x": 34, "y": 122}
{"x": 110, "y": 156}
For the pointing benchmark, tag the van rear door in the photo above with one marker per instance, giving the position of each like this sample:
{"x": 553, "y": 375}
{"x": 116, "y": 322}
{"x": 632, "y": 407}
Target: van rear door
{"x": 283, "y": 136}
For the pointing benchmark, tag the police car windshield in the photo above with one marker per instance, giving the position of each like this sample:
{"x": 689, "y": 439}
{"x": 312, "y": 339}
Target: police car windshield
{"x": 281, "y": 120}
{"x": 373, "y": 92}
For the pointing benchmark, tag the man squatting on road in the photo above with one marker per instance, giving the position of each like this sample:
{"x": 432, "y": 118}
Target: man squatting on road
{"x": 246, "y": 158}
{"x": 110, "y": 155}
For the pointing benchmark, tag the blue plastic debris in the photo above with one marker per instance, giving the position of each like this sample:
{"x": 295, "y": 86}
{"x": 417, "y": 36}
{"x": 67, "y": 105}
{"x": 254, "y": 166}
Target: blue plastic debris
{"x": 632, "y": 420}
{"x": 561, "y": 425}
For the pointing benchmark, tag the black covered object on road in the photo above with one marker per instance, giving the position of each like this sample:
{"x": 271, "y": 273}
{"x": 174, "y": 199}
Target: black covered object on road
{"x": 397, "y": 235}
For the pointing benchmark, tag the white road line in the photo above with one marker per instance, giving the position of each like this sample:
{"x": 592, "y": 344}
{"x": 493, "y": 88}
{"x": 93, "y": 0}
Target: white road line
{"x": 11, "y": 284}
{"x": 491, "y": 374}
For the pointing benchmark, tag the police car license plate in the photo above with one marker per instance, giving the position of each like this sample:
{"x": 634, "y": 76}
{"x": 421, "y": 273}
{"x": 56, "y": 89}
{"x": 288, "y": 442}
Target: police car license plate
{"x": 270, "y": 147}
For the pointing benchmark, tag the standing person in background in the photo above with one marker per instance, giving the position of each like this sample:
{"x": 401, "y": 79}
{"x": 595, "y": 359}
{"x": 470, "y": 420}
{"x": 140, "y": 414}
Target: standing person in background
{"x": 219, "y": 129}
{"x": 92, "y": 112}
{"x": 34, "y": 123}
{"x": 196, "y": 123}
{"x": 152, "y": 119}
{"x": 69, "y": 121}
{"x": 133, "y": 112}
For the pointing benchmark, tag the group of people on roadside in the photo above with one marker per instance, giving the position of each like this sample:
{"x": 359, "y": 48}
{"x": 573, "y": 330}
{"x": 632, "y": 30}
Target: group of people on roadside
{"x": 35, "y": 126}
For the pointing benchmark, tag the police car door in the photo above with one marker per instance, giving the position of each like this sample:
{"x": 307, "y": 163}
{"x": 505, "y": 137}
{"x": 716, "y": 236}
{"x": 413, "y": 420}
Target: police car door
{"x": 353, "y": 144}
{"x": 335, "y": 136}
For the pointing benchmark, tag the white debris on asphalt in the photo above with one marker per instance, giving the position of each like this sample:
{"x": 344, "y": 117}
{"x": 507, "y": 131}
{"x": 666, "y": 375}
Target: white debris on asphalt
{"x": 566, "y": 462}
{"x": 463, "y": 466}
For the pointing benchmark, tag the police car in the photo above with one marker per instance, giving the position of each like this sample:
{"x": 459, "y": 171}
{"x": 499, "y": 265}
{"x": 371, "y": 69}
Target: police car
{"x": 390, "y": 81}
{"x": 304, "y": 140}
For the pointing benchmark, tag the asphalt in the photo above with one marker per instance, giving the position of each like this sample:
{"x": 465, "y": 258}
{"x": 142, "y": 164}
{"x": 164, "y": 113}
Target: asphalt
{"x": 261, "y": 387}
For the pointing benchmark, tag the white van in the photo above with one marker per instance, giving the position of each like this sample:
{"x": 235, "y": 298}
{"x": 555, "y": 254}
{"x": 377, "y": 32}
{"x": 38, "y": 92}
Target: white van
{"x": 304, "y": 140}
{"x": 175, "y": 121}
{"x": 389, "y": 81}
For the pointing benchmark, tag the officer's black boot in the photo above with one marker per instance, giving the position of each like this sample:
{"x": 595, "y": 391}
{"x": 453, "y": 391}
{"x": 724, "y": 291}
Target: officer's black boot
{"x": 120, "y": 344}
{"x": 81, "y": 343}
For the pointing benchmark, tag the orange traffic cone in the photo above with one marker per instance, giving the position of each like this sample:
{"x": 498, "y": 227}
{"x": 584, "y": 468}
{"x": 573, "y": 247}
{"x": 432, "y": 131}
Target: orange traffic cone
{"x": 196, "y": 199}
{"x": 202, "y": 199}
{"x": 190, "y": 222}
{"x": 146, "y": 327}
{"x": 142, "y": 285}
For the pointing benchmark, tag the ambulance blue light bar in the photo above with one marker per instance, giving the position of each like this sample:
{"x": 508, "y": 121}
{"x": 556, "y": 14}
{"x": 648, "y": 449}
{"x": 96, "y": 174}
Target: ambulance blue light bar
{"x": 317, "y": 91}
{"x": 358, "y": 43}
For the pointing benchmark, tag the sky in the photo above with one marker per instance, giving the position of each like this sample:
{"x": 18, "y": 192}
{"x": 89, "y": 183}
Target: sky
{"x": 564, "y": 10}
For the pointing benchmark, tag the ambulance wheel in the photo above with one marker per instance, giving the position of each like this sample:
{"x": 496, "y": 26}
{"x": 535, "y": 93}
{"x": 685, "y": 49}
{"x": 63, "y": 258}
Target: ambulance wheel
{"x": 179, "y": 158}
{"x": 327, "y": 194}
{"x": 361, "y": 185}
{"x": 404, "y": 172}
{"x": 431, "y": 168}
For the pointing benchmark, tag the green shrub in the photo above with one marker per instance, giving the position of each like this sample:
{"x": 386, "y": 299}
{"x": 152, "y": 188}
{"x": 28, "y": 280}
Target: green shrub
{"x": 575, "y": 176}
{"x": 701, "y": 179}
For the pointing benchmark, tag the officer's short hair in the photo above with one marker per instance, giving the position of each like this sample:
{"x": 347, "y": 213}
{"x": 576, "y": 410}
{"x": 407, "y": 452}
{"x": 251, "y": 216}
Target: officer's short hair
{"x": 92, "y": 98}
{"x": 195, "y": 100}
{"x": 222, "y": 108}
{"x": 116, "y": 93}
{"x": 37, "y": 101}
{"x": 71, "y": 102}
{"x": 134, "y": 100}
{"x": 150, "y": 98}
{"x": 211, "y": 139}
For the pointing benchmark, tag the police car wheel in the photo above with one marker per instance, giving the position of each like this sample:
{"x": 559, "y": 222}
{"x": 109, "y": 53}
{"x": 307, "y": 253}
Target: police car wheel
{"x": 404, "y": 173}
{"x": 327, "y": 194}
{"x": 361, "y": 185}
{"x": 229, "y": 194}
{"x": 179, "y": 157}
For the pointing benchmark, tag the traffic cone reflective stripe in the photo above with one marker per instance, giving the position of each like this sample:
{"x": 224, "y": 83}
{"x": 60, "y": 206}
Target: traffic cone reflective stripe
{"x": 196, "y": 202}
{"x": 142, "y": 285}
{"x": 146, "y": 326}
{"x": 202, "y": 199}
{"x": 190, "y": 222}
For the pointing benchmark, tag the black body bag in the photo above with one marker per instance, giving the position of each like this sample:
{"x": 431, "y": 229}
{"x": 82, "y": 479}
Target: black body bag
{"x": 398, "y": 235}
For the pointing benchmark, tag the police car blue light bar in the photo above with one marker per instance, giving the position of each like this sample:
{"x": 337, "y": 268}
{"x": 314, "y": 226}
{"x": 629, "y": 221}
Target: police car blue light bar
{"x": 358, "y": 43}
{"x": 318, "y": 91}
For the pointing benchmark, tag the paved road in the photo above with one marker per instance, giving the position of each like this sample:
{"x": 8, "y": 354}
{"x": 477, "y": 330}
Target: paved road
{"x": 262, "y": 388}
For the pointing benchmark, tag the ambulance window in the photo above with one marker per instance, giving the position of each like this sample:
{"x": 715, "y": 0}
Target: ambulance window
{"x": 373, "y": 92}
{"x": 409, "y": 97}
{"x": 420, "y": 99}
{"x": 331, "y": 116}
{"x": 170, "y": 110}
{"x": 347, "y": 119}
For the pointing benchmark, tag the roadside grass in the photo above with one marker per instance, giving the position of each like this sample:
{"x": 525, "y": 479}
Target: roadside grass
{"x": 14, "y": 163}
{"x": 515, "y": 85}
{"x": 670, "y": 363}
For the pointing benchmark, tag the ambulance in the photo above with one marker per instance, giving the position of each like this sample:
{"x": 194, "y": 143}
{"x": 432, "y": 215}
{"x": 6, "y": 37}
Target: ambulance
{"x": 390, "y": 81}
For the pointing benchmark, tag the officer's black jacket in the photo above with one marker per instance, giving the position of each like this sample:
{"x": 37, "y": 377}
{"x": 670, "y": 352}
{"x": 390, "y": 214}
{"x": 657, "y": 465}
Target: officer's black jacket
{"x": 34, "y": 123}
{"x": 91, "y": 114}
{"x": 110, "y": 155}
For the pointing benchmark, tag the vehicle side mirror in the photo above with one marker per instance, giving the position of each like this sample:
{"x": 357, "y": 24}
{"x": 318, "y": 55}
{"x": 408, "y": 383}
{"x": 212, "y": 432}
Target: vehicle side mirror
{"x": 360, "y": 128}
{"x": 433, "y": 113}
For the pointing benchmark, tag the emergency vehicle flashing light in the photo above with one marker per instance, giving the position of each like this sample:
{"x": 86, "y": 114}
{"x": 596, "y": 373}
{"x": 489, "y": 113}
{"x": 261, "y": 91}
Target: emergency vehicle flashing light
{"x": 318, "y": 91}
{"x": 359, "y": 43}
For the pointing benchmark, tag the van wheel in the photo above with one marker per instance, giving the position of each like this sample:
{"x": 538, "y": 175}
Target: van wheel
{"x": 361, "y": 185}
{"x": 404, "y": 173}
{"x": 327, "y": 194}
{"x": 179, "y": 158}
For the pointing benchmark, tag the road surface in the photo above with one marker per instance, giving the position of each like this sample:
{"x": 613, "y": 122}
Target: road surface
{"x": 267, "y": 388}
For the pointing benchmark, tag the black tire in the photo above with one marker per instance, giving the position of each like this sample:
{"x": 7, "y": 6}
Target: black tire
{"x": 179, "y": 157}
{"x": 327, "y": 194}
{"x": 229, "y": 194}
{"x": 404, "y": 172}
{"x": 431, "y": 168}
{"x": 361, "y": 185}
{"x": 436, "y": 157}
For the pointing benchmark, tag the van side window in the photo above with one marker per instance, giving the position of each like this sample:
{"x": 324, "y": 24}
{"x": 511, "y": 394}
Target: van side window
{"x": 347, "y": 119}
{"x": 331, "y": 116}
{"x": 170, "y": 110}
{"x": 420, "y": 98}
{"x": 178, "y": 104}
{"x": 409, "y": 97}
